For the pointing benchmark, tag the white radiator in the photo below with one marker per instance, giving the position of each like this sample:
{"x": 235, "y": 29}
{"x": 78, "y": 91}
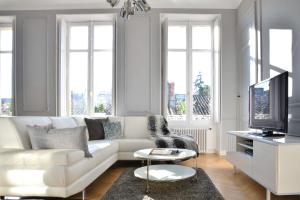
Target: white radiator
{"x": 200, "y": 136}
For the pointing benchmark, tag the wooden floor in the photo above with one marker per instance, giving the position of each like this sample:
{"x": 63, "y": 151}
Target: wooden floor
{"x": 232, "y": 186}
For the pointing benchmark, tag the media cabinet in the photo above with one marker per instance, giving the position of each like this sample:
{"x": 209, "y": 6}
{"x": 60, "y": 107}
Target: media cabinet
{"x": 273, "y": 162}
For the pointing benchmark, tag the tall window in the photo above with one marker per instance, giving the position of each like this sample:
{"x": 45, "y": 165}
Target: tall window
{"x": 6, "y": 69}
{"x": 90, "y": 68}
{"x": 189, "y": 73}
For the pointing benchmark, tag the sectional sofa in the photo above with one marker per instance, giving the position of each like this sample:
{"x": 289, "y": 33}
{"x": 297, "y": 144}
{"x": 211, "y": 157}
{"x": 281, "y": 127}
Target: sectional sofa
{"x": 61, "y": 172}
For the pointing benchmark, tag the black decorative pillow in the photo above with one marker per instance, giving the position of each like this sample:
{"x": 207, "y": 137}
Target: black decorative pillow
{"x": 95, "y": 128}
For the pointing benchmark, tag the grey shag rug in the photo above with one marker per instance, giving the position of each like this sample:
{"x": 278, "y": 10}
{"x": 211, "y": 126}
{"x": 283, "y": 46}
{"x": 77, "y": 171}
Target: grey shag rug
{"x": 128, "y": 187}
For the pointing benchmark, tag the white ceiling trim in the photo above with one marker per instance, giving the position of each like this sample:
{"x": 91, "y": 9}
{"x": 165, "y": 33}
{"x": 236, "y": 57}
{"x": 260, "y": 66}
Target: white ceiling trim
{"x": 102, "y": 4}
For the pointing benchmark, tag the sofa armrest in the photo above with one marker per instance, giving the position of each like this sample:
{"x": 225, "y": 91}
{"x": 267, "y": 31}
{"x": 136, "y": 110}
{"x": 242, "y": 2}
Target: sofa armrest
{"x": 42, "y": 158}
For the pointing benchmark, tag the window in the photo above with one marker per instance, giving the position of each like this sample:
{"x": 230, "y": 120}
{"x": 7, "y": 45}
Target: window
{"x": 90, "y": 67}
{"x": 6, "y": 69}
{"x": 189, "y": 82}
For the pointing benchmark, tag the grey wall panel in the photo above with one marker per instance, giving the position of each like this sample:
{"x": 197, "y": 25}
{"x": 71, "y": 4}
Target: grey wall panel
{"x": 138, "y": 66}
{"x": 36, "y": 69}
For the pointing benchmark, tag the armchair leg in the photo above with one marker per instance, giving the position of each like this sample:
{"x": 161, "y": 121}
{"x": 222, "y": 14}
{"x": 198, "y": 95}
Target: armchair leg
{"x": 83, "y": 195}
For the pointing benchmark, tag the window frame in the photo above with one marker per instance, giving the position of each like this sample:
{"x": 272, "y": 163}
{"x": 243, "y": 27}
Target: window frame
{"x": 90, "y": 50}
{"x": 189, "y": 122}
{"x": 12, "y": 52}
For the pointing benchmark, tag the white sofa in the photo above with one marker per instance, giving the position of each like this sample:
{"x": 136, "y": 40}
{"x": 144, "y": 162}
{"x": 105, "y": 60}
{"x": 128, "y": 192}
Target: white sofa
{"x": 61, "y": 173}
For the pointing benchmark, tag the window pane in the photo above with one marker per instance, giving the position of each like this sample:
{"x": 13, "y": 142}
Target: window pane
{"x": 79, "y": 36}
{"x": 202, "y": 37}
{"x": 176, "y": 88}
{"x": 6, "y": 39}
{"x": 103, "y": 71}
{"x": 281, "y": 49}
{"x": 103, "y": 37}
{"x": 202, "y": 85}
{"x": 6, "y": 83}
{"x": 177, "y": 37}
{"x": 78, "y": 74}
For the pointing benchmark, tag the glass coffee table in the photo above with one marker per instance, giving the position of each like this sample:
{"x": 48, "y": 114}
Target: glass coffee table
{"x": 165, "y": 172}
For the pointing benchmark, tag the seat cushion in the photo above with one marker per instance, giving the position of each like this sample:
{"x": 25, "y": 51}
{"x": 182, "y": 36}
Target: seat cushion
{"x": 132, "y": 145}
{"x": 101, "y": 151}
{"x": 40, "y": 158}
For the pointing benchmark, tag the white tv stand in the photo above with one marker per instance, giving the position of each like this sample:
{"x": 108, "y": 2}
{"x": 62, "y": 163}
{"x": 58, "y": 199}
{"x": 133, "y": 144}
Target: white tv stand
{"x": 272, "y": 162}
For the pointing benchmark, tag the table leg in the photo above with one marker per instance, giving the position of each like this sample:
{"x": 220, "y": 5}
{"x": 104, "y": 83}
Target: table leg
{"x": 147, "y": 183}
{"x": 268, "y": 194}
{"x": 196, "y": 167}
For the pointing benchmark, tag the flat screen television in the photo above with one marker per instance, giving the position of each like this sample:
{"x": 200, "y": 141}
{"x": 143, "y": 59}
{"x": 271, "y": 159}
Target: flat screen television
{"x": 268, "y": 105}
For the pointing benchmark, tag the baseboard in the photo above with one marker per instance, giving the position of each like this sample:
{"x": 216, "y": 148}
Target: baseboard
{"x": 211, "y": 151}
{"x": 222, "y": 153}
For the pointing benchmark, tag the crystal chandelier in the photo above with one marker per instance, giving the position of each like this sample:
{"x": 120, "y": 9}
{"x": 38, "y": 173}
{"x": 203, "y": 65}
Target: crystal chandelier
{"x": 130, "y": 7}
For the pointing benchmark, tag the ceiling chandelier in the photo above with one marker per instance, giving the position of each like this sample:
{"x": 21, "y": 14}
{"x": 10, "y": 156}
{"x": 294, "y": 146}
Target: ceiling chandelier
{"x": 131, "y": 7}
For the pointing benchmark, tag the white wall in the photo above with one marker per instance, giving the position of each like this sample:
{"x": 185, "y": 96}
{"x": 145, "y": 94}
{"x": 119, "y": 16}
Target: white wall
{"x": 138, "y": 65}
{"x": 276, "y": 14}
{"x": 284, "y": 15}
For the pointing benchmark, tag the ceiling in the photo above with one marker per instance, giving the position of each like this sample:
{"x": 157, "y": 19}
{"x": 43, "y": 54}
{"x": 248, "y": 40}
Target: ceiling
{"x": 87, "y": 4}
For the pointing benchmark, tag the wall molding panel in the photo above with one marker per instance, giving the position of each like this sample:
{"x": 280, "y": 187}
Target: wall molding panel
{"x": 36, "y": 65}
{"x": 35, "y": 70}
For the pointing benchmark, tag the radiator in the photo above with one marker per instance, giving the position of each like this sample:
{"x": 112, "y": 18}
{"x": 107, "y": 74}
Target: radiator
{"x": 200, "y": 136}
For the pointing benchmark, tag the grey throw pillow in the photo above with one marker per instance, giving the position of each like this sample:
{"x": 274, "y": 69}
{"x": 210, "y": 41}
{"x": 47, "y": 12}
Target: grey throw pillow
{"x": 67, "y": 138}
{"x": 112, "y": 130}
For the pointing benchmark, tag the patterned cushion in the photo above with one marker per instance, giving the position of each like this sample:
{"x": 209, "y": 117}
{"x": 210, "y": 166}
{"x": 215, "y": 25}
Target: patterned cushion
{"x": 113, "y": 130}
{"x": 67, "y": 138}
{"x": 158, "y": 125}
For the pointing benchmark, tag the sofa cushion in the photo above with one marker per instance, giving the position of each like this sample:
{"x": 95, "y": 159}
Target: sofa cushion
{"x": 112, "y": 130}
{"x": 101, "y": 151}
{"x": 67, "y": 138}
{"x": 21, "y": 124}
{"x": 9, "y": 135}
{"x": 132, "y": 145}
{"x": 118, "y": 119}
{"x": 80, "y": 121}
{"x": 136, "y": 127}
{"x": 46, "y": 157}
{"x": 63, "y": 122}
{"x": 95, "y": 127}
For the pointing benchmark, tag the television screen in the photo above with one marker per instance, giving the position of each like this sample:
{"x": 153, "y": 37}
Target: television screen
{"x": 268, "y": 104}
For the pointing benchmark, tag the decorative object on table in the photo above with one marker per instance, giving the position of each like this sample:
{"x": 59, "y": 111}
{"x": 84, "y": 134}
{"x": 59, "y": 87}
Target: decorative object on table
{"x": 159, "y": 151}
{"x": 66, "y": 138}
{"x": 158, "y": 126}
{"x": 95, "y": 128}
{"x": 112, "y": 130}
{"x": 131, "y": 7}
{"x": 128, "y": 187}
